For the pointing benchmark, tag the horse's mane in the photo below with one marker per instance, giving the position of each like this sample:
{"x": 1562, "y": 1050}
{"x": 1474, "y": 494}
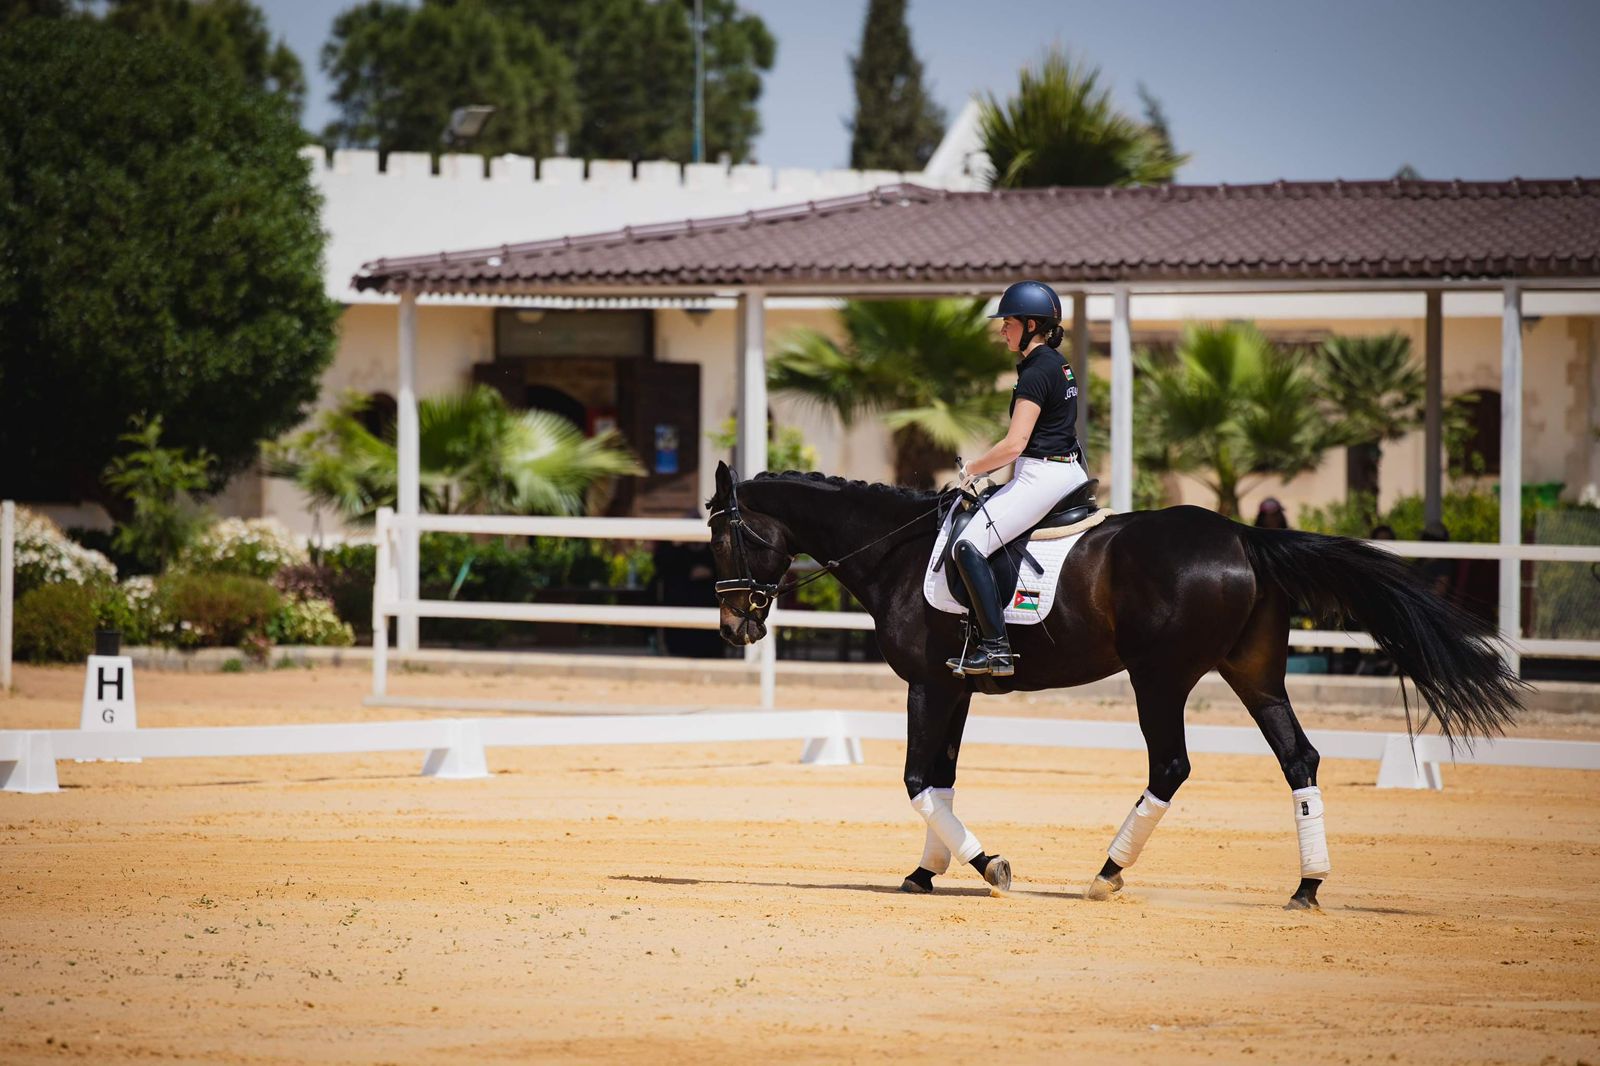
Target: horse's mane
{"x": 812, "y": 477}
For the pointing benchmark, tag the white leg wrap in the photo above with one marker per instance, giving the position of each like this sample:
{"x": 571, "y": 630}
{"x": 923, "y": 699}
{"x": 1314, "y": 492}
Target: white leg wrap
{"x": 935, "y": 856}
{"x": 1313, "y": 836}
{"x": 1136, "y": 829}
{"x": 942, "y": 821}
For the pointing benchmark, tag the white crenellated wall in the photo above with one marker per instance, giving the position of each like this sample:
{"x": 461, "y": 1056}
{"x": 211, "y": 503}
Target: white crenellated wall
{"x": 407, "y": 209}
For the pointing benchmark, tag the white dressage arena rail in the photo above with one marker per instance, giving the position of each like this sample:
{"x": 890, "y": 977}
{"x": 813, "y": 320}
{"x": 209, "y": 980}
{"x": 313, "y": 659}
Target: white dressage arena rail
{"x": 455, "y": 747}
{"x": 387, "y": 602}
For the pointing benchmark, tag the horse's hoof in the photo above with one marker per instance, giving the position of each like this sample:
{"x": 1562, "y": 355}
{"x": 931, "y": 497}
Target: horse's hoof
{"x": 909, "y": 885}
{"x": 1103, "y": 888}
{"x": 998, "y": 874}
{"x": 1305, "y": 897}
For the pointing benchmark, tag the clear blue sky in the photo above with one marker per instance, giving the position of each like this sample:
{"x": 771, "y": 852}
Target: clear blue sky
{"x": 1255, "y": 89}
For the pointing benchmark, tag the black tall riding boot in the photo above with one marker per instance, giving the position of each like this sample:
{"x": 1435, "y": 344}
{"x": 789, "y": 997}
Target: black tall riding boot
{"x": 993, "y": 653}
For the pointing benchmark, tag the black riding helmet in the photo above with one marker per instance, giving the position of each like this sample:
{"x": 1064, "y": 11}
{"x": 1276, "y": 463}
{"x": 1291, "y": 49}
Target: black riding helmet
{"x": 1035, "y": 300}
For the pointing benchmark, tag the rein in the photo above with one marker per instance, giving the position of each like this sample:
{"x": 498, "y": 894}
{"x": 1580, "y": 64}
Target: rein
{"x": 770, "y": 591}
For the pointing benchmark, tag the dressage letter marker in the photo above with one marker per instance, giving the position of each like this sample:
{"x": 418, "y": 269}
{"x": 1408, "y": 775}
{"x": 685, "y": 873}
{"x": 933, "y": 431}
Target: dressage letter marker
{"x": 108, "y": 702}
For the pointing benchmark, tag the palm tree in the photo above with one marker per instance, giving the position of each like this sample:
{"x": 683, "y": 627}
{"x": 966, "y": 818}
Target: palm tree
{"x": 1229, "y": 408}
{"x": 1061, "y": 128}
{"x": 1377, "y": 391}
{"x": 927, "y": 367}
{"x": 476, "y": 455}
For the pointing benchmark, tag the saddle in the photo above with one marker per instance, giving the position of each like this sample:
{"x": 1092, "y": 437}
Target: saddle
{"x": 1077, "y": 510}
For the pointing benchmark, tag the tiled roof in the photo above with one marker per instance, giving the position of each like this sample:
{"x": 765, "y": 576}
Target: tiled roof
{"x": 903, "y": 234}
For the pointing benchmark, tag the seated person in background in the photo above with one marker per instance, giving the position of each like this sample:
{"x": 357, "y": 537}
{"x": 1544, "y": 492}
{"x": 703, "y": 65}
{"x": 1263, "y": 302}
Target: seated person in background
{"x": 1271, "y": 515}
{"x": 685, "y": 577}
{"x": 1438, "y": 574}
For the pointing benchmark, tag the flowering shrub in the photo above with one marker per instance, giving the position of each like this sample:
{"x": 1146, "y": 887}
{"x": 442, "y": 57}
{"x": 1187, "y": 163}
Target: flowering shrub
{"x": 249, "y": 547}
{"x": 46, "y": 556}
{"x": 131, "y": 609}
{"x": 310, "y": 621}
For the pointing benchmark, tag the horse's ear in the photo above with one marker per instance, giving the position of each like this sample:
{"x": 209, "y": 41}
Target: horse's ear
{"x": 724, "y": 480}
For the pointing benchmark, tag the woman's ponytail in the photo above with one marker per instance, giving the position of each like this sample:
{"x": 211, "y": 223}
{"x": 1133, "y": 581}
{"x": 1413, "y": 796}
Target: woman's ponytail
{"x": 1054, "y": 337}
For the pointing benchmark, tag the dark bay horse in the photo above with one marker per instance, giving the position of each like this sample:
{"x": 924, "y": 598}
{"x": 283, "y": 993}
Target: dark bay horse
{"x": 1166, "y": 595}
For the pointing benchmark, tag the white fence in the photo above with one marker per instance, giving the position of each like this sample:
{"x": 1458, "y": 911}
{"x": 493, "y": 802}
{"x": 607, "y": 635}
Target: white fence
{"x": 387, "y": 603}
{"x": 455, "y": 747}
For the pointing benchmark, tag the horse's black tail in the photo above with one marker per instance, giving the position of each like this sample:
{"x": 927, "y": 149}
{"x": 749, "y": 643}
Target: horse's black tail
{"x": 1446, "y": 652}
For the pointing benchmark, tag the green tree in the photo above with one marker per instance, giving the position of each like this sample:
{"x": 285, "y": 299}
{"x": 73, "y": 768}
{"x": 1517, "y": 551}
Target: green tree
{"x": 615, "y": 77}
{"x": 160, "y": 484}
{"x": 476, "y": 455}
{"x": 399, "y": 71}
{"x": 1061, "y": 128}
{"x": 926, "y": 367}
{"x": 635, "y": 75}
{"x": 233, "y": 34}
{"x": 1229, "y": 408}
{"x": 14, "y": 11}
{"x": 897, "y": 125}
{"x": 1376, "y": 393}
{"x": 160, "y": 253}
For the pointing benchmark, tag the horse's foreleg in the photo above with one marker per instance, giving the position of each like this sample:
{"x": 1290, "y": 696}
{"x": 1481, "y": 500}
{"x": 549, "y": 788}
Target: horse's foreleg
{"x": 1161, "y": 721}
{"x": 935, "y": 721}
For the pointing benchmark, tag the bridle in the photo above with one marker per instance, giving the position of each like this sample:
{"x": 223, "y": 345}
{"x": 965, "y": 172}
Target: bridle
{"x": 739, "y": 529}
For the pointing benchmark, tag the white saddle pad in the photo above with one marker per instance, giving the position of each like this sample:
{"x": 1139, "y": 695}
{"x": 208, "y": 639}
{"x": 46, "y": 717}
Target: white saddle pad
{"x": 1036, "y": 592}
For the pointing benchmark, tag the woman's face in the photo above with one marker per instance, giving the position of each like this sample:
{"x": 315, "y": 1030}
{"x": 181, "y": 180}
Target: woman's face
{"x": 1011, "y": 333}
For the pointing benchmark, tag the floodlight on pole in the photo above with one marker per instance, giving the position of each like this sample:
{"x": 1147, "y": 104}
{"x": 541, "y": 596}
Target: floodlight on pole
{"x": 466, "y": 123}
{"x": 699, "y": 82}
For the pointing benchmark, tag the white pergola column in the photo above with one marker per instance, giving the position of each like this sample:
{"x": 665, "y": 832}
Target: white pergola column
{"x": 1433, "y": 410}
{"x": 1121, "y": 402}
{"x": 408, "y": 447}
{"x": 752, "y": 311}
{"x": 1080, "y": 362}
{"x": 752, "y": 454}
{"x": 1511, "y": 471}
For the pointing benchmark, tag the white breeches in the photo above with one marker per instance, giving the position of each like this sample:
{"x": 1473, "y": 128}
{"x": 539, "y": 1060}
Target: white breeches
{"x": 1035, "y": 487}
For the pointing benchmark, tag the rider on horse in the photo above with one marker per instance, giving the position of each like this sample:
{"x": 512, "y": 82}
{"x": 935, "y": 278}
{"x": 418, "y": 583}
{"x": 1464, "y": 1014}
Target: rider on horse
{"x": 1043, "y": 443}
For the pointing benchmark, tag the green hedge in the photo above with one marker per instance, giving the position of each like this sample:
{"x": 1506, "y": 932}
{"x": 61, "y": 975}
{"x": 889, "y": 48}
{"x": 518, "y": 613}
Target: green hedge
{"x": 55, "y": 623}
{"x": 215, "y": 610}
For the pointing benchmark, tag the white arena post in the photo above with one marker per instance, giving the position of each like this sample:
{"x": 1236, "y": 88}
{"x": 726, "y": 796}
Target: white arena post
{"x": 8, "y": 558}
{"x": 383, "y": 592}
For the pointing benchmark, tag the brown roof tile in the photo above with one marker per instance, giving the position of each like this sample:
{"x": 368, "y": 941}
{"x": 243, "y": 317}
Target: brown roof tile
{"x": 906, "y": 233}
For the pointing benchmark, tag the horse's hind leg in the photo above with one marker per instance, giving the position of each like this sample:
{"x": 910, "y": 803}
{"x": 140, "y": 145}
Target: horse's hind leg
{"x": 936, "y": 718}
{"x": 1255, "y": 671}
{"x": 1161, "y": 698}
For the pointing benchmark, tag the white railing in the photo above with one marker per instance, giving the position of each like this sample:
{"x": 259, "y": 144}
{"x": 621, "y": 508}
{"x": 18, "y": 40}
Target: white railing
{"x": 455, "y": 747}
{"x": 387, "y": 603}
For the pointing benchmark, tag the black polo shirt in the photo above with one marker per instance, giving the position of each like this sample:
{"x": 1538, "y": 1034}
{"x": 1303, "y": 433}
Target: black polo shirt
{"x": 1045, "y": 378}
